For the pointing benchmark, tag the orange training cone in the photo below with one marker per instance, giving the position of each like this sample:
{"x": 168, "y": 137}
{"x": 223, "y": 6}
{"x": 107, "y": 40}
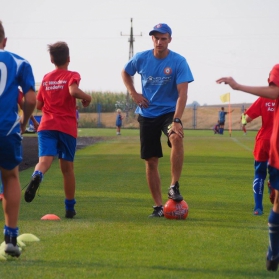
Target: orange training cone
{"x": 50, "y": 217}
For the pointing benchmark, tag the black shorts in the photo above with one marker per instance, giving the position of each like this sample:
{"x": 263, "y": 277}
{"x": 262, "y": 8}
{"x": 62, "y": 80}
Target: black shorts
{"x": 222, "y": 123}
{"x": 150, "y": 134}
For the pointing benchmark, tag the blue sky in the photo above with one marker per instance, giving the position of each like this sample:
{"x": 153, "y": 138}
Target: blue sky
{"x": 238, "y": 38}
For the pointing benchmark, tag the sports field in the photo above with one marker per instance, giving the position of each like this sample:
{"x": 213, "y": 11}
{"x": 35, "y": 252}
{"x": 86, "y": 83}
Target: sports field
{"x": 112, "y": 236}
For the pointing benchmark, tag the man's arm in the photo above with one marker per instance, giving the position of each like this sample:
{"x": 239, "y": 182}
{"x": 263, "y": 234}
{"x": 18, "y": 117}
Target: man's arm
{"x": 129, "y": 83}
{"x": 182, "y": 99}
{"x": 182, "y": 88}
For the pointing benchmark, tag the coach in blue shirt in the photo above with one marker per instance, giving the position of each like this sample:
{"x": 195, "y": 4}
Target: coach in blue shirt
{"x": 164, "y": 79}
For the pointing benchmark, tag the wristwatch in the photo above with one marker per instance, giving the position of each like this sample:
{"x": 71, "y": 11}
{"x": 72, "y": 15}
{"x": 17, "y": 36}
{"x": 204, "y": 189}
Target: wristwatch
{"x": 177, "y": 120}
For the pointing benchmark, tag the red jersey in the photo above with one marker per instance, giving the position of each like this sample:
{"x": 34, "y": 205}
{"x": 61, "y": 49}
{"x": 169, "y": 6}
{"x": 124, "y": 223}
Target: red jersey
{"x": 59, "y": 107}
{"x": 274, "y": 141}
{"x": 265, "y": 108}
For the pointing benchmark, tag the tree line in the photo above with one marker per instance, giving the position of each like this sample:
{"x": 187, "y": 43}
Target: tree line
{"x": 104, "y": 102}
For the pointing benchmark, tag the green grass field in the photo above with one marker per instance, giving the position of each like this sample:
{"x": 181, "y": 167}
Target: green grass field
{"x": 112, "y": 236}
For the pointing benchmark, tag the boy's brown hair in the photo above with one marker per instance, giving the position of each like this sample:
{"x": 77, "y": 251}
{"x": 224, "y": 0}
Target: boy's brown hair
{"x": 2, "y": 32}
{"x": 59, "y": 53}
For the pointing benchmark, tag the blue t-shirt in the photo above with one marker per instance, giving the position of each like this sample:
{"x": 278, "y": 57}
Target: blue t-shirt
{"x": 118, "y": 121}
{"x": 159, "y": 80}
{"x": 14, "y": 72}
{"x": 222, "y": 116}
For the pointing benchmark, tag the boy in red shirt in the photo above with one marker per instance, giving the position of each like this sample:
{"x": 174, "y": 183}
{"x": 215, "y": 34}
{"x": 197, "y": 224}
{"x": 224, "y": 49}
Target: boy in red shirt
{"x": 57, "y": 132}
{"x": 265, "y": 108}
{"x": 271, "y": 92}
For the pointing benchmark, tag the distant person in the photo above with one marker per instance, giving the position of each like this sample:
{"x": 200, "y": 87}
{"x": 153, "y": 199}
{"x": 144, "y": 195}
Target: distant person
{"x": 265, "y": 108}
{"x": 243, "y": 122}
{"x": 57, "y": 132}
{"x": 118, "y": 121}
{"x": 164, "y": 77}
{"x": 222, "y": 119}
{"x": 271, "y": 92}
{"x": 15, "y": 71}
{"x": 216, "y": 128}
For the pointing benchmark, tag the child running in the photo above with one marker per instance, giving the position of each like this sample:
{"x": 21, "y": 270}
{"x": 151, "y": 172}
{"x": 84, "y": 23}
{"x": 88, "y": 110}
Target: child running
{"x": 57, "y": 132}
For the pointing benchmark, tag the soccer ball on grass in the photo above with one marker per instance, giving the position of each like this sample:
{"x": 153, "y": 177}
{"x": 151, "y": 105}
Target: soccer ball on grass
{"x": 176, "y": 210}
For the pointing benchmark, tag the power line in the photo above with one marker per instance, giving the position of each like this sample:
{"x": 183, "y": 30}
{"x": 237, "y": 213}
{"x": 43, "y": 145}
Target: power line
{"x": 131, "y": 54}
{"x": 131, "y": 40}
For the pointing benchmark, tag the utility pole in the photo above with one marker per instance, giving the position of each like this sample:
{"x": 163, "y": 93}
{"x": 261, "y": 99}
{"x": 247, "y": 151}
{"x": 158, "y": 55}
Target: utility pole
{"x": 131, "y": 54}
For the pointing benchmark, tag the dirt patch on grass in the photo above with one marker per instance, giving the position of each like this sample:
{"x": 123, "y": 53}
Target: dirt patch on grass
{"x": 30, "y": 149}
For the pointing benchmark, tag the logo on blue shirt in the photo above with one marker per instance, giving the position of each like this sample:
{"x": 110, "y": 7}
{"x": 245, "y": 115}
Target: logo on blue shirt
{"x": 158, "y": 80}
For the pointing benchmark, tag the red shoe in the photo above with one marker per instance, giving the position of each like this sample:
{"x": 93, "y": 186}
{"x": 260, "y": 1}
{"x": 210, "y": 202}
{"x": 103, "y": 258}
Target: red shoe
{"x": 1, "y": 197}
{"x": 271, "y": 192}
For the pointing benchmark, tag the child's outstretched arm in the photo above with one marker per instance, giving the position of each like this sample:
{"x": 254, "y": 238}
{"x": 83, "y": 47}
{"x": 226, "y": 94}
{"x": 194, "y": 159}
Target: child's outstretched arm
{"x": 271, "y": 91}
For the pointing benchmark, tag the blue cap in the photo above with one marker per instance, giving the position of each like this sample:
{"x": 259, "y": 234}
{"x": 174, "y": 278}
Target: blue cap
{"x": 161, "y": 28}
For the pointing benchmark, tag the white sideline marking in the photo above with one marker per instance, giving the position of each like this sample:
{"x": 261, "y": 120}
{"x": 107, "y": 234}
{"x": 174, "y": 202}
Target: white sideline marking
{"x": 241, "y": 144}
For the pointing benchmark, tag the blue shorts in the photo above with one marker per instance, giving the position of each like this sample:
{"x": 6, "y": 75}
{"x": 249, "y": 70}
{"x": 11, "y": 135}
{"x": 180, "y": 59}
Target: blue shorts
{"x": 10, "y": 151}
{"x": 273, "y": 177}
{"x": 118, "y": 124}
{"x": 53, "y": 143}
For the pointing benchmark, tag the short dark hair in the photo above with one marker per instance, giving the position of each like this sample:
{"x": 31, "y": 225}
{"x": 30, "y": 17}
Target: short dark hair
{"x": 59, "y": 53}
{"x": 2, "y": 32}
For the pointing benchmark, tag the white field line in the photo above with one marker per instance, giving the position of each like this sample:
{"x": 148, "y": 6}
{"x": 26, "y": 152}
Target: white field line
{"x": 241, "y": 144}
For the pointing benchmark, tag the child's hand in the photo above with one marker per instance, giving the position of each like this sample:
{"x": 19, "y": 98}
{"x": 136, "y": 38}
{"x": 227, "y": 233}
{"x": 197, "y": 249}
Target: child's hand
{"x": 228, "y": 80}
{"x": 85, "y": 103}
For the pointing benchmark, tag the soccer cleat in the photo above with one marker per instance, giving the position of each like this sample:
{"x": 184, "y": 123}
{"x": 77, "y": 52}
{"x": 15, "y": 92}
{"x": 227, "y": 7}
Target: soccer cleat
{"x": 70, "y": 214}
{"x": 174, "y": 193}
{"x": 12, "y": 250}
{"x": 271, "y": 265}
{"x": 158, "y": 211}
{"x": 32, "y": 188}
{"x": 258, "y": 212}
{"x": 271, "y": 192}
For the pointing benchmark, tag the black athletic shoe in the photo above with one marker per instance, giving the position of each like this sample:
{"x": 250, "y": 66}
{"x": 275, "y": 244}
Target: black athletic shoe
{"x": 271, "y": 262}
{"x": 174, "y": 193}
{"x": 271, "y": 265}
{"x": 158, "y": 211}
{"x": 12, "y": 250}
{"x": 70, "y": 214}
{"x": 32, "y": 188}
